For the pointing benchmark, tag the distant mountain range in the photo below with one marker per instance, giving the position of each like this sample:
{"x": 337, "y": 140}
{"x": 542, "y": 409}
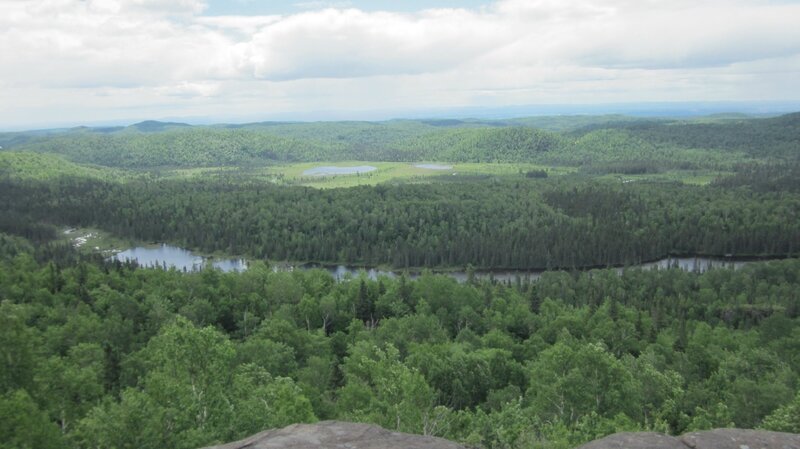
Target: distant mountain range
{"x": 571, "y": 140}
{"x": 644, "y": 109}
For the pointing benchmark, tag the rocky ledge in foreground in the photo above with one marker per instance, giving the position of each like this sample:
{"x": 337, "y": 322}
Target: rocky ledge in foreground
{"x": 344, "y": 435}
{"x": 336, "y": 435}
{"x": 712, "y": 439}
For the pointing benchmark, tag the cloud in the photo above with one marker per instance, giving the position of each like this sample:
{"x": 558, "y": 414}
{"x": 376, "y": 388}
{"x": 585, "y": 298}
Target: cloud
{"x": 331, "y": 55}
{"x": 351, "y": 43}
{"x": 149, "y": 6}
{"x": 319, "y": 4}
{"x": 695, "y": 37}
{"x": 624, "y": 34}
{"x": 70, "y": 43}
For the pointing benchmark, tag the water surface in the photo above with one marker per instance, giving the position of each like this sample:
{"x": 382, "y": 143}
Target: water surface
{"x": 167, "y": 256}
{"x": 691, "y": 264}
{"x": 434, "y": 166}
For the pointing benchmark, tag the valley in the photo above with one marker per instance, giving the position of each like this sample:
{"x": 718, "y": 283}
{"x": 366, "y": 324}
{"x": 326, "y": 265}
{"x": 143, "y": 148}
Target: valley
{"x": 443, "y": 277}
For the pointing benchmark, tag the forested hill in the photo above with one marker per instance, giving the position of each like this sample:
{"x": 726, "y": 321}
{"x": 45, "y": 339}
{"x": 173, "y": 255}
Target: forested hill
{"x": 777, "y": 136}
{"x": 563, "y": 140}
{"x": 517, "y": 223}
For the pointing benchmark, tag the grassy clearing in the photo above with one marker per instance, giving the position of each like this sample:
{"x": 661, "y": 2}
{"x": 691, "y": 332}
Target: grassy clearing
{"x": 407, "y": 172}
{"x": 394, "y": 172}
{"x": 47, "y": 166}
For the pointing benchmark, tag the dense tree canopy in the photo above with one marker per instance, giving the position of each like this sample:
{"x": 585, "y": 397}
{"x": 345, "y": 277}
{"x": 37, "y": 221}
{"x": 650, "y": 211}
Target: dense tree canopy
{"x": 525, "y": 223}
{"x": 108, "y": 355}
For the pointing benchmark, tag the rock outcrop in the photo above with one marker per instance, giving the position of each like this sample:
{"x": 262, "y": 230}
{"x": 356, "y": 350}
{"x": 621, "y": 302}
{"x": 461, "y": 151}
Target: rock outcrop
{"x": 639, "y": 440}
{"x": 338, "y": 435}
{"x": 712, "y": 439}
{"x": 344, "y": 435}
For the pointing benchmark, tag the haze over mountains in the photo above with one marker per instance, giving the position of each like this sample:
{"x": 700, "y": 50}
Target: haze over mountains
{"x": 651, "y": 110}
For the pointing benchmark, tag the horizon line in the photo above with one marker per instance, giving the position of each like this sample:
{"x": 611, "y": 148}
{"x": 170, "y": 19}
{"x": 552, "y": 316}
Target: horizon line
{"x": 655, "y": 110}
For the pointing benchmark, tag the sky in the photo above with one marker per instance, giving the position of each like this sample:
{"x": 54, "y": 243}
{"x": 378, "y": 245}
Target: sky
{"x": 70, "y": 62}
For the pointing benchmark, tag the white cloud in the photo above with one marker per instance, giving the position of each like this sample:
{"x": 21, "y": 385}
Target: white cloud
{"x": 163, "y": 53}
{"x": 352, "y": 43}
{"x": 159, "y": 7}
{"x": 699, "y": 36}
{"x": 87, "y": 44}
{"x": 320, "y": 4}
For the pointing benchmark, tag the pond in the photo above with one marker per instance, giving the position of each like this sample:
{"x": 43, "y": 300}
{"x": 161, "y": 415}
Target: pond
{"x": 330, "y": 170}
{"x": 167, "y": 256}
{"x": 434, "y": 166}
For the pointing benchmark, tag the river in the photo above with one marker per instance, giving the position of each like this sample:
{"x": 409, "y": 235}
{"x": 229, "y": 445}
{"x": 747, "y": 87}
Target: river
{"x": 167, "y": 256}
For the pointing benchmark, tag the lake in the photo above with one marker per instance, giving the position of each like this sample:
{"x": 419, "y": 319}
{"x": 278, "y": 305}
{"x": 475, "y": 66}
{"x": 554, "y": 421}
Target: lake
{"x": 329, "y": 171}
{"x": 434, "y": 166}
{"x": 184, "y": 260}
{"x": 179, "y": 258}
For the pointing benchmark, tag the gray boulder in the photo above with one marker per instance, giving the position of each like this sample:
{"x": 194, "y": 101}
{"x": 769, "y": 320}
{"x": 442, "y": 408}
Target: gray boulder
{"x": 336, "y": 435}
{"x": 638, "y": 440}
{"x": 741, "y": 439}
{"x": 712, "y": 439}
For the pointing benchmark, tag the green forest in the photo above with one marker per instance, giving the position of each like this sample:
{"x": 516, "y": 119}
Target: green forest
{"x": 99, "y": 353}
{"x": 108, "y": 355}
{"x": 578, "y": 222}
{"x": 559, "y": 140}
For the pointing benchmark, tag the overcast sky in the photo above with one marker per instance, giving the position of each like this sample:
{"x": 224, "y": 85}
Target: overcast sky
{"x": 91, "y": 61}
